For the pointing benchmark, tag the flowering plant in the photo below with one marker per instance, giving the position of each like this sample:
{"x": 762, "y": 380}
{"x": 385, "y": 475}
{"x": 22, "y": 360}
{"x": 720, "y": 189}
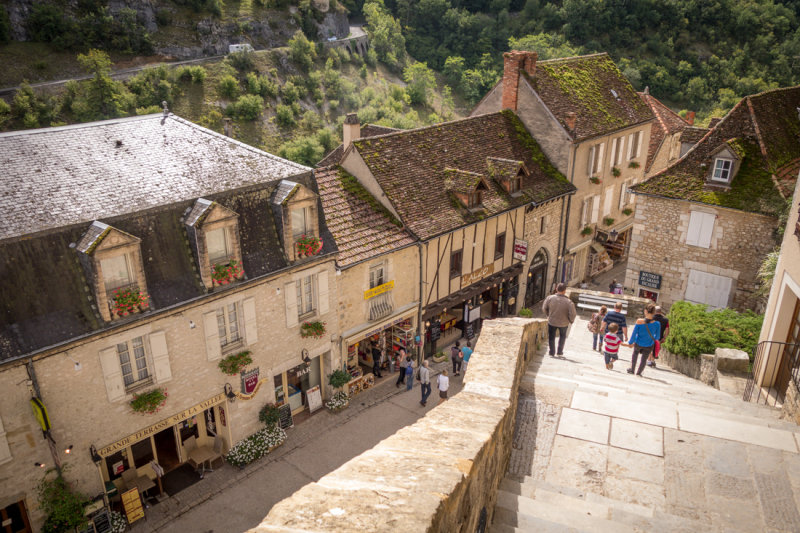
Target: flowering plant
{"x": 118, "y": 522}
{"x": 127, "y": 301}
{"x": 255, "y": 446}
{"x": 149, "y": 402}
{"x": 308, "y": 245}
{"x": 616, "y": 171}
{"x": 312, "y": 329}
{"x": 595, "y": 180}
{"x": 339, "y": 400}
{"x": 233, "y": 364}
{"x": 225, "y": 273}
{"x": 633, "y": 164}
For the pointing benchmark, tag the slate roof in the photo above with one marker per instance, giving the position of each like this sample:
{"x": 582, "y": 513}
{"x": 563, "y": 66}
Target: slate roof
{"x": 95, "y": 170}
{"x": 667, "y": 123}
{"x": 410, "y": 168}
{"x": 361, "y": 226}
{"x": 693, "y": 134}
{"x": 764, "y": 131}
{"x": 368, "y": 130}
{"x": 462, "y": 181}
{"x": 592, "y": 87}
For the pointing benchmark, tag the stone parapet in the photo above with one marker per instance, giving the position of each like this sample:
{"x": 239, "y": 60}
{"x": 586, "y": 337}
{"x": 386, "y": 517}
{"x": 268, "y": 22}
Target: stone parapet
{"x": 702, "y": 368}
{"x": 439, "y": 474}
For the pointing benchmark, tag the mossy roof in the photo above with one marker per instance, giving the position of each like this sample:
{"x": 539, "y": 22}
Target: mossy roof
{"x": 594, "y": 89}
{"x": 667, "y": 123}
{"x": 462, "y": 181}
{"x": 410, "y": 168}
{"x": 368, "y": 130}
{"x": 764, "y": 131}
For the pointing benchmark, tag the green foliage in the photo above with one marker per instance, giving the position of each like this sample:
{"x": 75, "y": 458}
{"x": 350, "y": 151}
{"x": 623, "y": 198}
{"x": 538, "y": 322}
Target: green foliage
{"x": 421, "y": 82}
{"x": 339, "y": 378}
{"x": 104, "y": 97}
{"x": 199, "y": 6}
{"x": 228, "y": 87}
{"x": 284, "y": 115}
{"x": 62, "y": 506}
{"x": 247, "y": 107}
{"x": 5, "y": 26}
{"x": 694, "y": 331}
{"x": 149, "y": 402}
{"x": 5, "y": 112}
{"x": 153, "y": 86}
{"x": 289, "y": 93}
{"x": 302, "y": 51}
{"x": 546, "y": 45}
{"x": 196, "y": 74}
{"x": 385, "y": 34}
{"x": 766, "y": 272}
{"x": 261, "y": 85}
{"x": 525, "y": 312}
{"x": 241, "y": 61}
{"x": 269, "y": 415}
{"x": 235, "y": 363}
{"x": 305, "y": 150}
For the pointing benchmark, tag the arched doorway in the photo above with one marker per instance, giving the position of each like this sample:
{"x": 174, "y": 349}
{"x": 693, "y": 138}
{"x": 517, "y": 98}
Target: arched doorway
{"x": 537, "y": 279}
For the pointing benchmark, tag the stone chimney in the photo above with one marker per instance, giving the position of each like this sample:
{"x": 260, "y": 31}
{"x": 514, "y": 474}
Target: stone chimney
{"x": 351, "y": 130}
{"x": 690, "y": 117}
{"x": 570, "y": 120}
{"x": 513, "y": 62}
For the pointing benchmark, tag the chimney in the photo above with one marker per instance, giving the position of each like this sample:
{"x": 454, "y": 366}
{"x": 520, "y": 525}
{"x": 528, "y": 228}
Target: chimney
{"x": 570, "y": 120}
{"x": 690, "y": 117}
{"x": 513, "y": 62}
{"x": 647, "y": 89}
{"x": 226, "y": 125}
{"x": 351, "y": 130}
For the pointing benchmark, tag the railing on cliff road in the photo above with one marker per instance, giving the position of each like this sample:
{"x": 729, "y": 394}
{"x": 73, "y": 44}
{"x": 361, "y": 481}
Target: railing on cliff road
{"x": 774, "y": 365}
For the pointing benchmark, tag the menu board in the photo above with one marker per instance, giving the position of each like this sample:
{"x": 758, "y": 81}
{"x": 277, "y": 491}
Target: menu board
{"x": 132, "y": 504}
{"x": 469, "y": 332}
{"x": 285, "y": 411}
{"x": 314, "y": 398}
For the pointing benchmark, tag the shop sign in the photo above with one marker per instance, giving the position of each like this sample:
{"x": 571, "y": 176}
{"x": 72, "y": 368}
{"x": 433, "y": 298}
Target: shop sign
{"x": 520, "y": 249}
{"x": 163, "y": 424}
{"x": 249, "y": 381}
{"x": 301, "y": 371}
{"x": 380, "y": 289}
{"x": 648, "y": 279}
{"x": 468, "y": 279}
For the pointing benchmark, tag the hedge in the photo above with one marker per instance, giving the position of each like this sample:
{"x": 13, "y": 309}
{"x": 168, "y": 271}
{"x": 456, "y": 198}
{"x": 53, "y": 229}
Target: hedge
{"x": 693, "y": 330}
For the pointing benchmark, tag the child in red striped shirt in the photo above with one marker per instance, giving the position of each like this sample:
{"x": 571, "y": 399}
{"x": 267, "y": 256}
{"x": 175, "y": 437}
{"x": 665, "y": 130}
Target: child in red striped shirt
{"x": 611, "y": 344}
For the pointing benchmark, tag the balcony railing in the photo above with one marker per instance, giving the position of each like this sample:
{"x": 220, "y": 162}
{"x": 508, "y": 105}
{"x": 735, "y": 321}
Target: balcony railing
{"x": 380, "y": 306}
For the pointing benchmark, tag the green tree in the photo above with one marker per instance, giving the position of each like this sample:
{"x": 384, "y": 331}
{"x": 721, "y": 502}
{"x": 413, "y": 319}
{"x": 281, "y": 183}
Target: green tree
{"x": 228, "y": 87}
{"x": 62, "y": 506}
{"x": 302, "y": 51}
{"x": 248, "y": 106}
{"x": 385, "y": 33}
{"x": 104, "y": 96}
{"x": 303, "y": 150}
{"x": 421, "y": 82}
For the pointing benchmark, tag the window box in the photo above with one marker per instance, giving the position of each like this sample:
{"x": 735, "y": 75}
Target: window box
{"x": 128, "y": 300}
{"x": 225, "y": 273}
{"x": 308, "y": 245}
{"x": 608, "y": 221}
{"x": 312, "y": 329}
{"x": 627, "y": 211}
{"x": 616, "y": 172}
{"x": 633, "y": 164}
{"x": 233, "y": 364}
{"x": 586, "y": 230}
{"x": 149, "y": 402}
{"x": 595, "y": 180}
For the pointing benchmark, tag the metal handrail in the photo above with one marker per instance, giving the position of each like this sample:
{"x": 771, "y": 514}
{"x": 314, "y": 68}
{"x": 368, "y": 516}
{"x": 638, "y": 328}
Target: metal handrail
{"x": 775, "y": 393}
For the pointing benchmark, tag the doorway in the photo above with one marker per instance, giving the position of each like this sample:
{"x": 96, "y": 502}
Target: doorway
{"x": 14, "y": 518}
{"x": 537, "y": 279}
{"x": 167, "y": 449}
{"x": 790, "y": 356}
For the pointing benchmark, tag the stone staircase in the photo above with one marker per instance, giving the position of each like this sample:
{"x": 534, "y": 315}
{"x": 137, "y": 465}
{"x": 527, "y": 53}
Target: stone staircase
{"x": 599, "y": 450}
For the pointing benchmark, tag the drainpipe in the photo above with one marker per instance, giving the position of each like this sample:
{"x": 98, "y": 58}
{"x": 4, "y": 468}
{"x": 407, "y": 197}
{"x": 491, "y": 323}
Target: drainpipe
{"x": 51, "y": 443}
{"x": 419, "y": 309}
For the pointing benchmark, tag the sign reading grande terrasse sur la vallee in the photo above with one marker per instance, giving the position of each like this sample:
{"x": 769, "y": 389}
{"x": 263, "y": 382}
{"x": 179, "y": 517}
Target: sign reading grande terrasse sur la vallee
{"x": 648, "y": 279}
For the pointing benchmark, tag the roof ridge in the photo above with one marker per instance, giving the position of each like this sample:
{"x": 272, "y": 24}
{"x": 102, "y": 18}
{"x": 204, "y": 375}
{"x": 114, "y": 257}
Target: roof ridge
{"x": 79, "y": 125}
{"x": 572, "y": 58}
{"x": 437, "y": 125}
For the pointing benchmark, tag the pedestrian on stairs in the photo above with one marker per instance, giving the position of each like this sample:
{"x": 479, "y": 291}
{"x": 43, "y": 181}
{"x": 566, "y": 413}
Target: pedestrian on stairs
{"x": 664, "y": 321}
{"x": 643, "y": 338}
{"x": 616, "y": 317}
{"x": 560, "y": 312}
{"x": 455, "y": 357}
{"x": 596, "y": 327}
{"x": 612, "y": 342}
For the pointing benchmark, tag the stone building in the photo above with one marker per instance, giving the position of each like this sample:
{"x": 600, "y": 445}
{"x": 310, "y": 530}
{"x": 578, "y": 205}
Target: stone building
{"x": 594, "y": 127}
{"x": 704, "y": 225}
{"x": 136, "y": 255}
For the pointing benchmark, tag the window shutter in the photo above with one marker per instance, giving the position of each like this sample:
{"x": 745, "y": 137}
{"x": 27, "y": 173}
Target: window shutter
{"x": 608, "y": 201}
{"x": 112, "y": 374}
{"x": 595, "y": 208}
{"x": 322, "y": 292}
{"x": 706, "y": 230}
{"x": 600, "y": 157}
{"x": 696, "y": 235}
{"x": 622, "y": 194}
{"x": 585, "y": 211}
{"x": 250, "y": 325}
{"x": 213, "y": 349}
{"x": 290, "y": 295}
{"x": 630, "y": 146}
{"x": 638, "y": 143}
{"x": 590, "y": 162}
{"x": 158, "y": 349}
{"x": 613, "y": 158}
{"x": 5, "y": 451}
{"x": 621, "y": 149}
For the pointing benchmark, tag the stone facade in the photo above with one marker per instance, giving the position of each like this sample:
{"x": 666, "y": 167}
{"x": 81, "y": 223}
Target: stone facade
{"x": 546, "y": 217}
{"x": 433, "y": 475}
{"x": 739, "y": 242}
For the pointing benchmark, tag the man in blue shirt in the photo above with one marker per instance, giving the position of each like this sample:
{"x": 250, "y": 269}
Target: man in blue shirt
{"x": 616, "y": 317}
{"x": 466, "y": 353}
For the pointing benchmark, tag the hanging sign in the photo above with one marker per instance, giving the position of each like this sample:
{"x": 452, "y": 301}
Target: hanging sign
{"x": 314, "y": 398}
{"x": 380, "y": 289}
{"x": 469, "y": 333}
{"x": 132, "y": 504}
{"x": 520, "y": 249}
{"x": 648, "y": 279}
{"x": 479, "y": 274}
{"x": 249, "y": 381}
{"x": 40, "y": 412}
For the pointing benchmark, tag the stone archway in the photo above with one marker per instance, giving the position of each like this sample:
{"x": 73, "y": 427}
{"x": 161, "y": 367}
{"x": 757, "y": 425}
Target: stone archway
{"x": 537, "y": 279}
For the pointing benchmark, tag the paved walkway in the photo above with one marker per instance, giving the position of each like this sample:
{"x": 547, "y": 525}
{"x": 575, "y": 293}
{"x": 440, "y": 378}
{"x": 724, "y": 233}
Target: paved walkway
{"x": 599, "y": 450}
{"x": 233, "y": 500}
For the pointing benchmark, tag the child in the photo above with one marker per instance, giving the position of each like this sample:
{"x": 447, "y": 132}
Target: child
{"x": 612, "y": 343}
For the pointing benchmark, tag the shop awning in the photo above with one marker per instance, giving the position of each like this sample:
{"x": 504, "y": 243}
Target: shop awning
{"x": 458, "y": 297}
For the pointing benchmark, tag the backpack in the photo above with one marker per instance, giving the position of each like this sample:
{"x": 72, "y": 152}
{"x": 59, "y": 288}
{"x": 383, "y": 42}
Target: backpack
{"x": 594, "y": 323}
{"x": 455, "y": 353}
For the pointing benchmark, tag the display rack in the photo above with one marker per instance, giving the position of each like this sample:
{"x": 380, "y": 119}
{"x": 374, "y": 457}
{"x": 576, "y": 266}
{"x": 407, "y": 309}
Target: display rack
{"x": 352, "y": 358}
{"x": 403, "y": 336}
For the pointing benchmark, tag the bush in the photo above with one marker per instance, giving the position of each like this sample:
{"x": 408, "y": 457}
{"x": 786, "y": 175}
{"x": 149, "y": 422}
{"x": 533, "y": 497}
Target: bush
{"x": 63, "y": 507}
{"x": 248, "y": 107}
{"x": 302, "y": 51}
{"x": 693, "y": 330}
{"x": 241, "y": 61}
{"x": 525, "y": 312}
{"x": 269, "y": 415}
{"x": 339, "y": 378}
{"x": 284, "y": 114}
{"x": 228, "y": 87}
{"x": 197, "y": 74}
{"x": 289, "y": 93}
{"x": 304, "y": 150}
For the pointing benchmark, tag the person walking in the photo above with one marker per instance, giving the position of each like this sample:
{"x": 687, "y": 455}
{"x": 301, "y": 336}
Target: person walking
{"x": 560, "y": 312}
{"x": 409, "y": 373}
{"x": 377, "y": 356}
{"x": 612, "y": 342}
{"x": 401, "y": 360}
{"x": 596, "y": 327}
{"x": 466, "y": 353}
{"x": 664, "y": 321}
{"x": 455, "y": 357}
{"x": 425, "y": 382}
{"x": 643, "y": 338}
{"x": 616, "y": 317}
{"x": 612, "y": 286}
{"x": 442, "y": 383}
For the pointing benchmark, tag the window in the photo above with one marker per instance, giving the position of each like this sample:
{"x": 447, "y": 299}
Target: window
{"x": 305, "y": 296}
{"x": 133, "y": 361}
{"x": 219, "y": 245}
{"x": 376, "y": 276}
{"x": 500, "y": 246}
{"x": 301, "y": 222}
{"x": 624, "y": 195}
{"x": 701, "y": 228}
{"x": 117, "y": 272}
{"x": 591, "y": 210}
{"x": 475, "y": 199}
{"x": 455, "y": 264}
{"x": 142, "y": 452}
{"x": 616, "y": 151}
{"x": 595, "y": 159}
{"x": 722, "y": 170}
{"x": 228, "y": 326}
{"x": 543, "y": 224}
{"x": 515, "y": 184}
{"x": 634, "y": 144}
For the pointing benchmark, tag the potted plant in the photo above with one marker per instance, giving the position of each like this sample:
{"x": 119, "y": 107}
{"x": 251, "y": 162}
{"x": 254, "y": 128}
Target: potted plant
{"x": 339, "y": 378}
{"x": 225, "y": 273}
{"x": 525, "y": 312}
{"x": 269, "y": 415}
{"x": 129, "y": 301}
{"x": 595, "y": 180}
{"x": 149, "y": 402}
{"x": 633, "y": 164}
{"x": 439, "y": 356}
{"x": 339, "y": 401}
{"x": 312, "y": 329}
{"x": 627, "y": 211}
{"x": 233, "y": 364}
{"x": 616, "y": 172}
{"x": 608, "y": 221}
{"x": 586, "y": 230}
{"x": 255, "y": 446}
{"x": 308, "y": 245}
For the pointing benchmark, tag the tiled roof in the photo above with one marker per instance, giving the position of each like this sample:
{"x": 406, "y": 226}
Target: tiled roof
{"x": 461, "y": 181}
{"x": 361, "y": 226}
{"x": 667, "y": 123}
{"x": 693, "y": 134}
{"x": 410, "y": 168}
{"x": 504, "y": 169}
{"x": 96, "y": 170}
{"x": 283, "y": 192}
{"x": 764, "y": 131}
{"x": 592, "y": 87}
{"x": 368, "y": 130}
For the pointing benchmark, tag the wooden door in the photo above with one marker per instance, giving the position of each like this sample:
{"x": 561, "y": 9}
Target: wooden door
{"x": 790, "y": 358}
{"x": 15, "y": 519}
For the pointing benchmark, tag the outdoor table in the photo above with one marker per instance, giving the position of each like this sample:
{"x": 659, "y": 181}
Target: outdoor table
{"x": 200, "y": 456}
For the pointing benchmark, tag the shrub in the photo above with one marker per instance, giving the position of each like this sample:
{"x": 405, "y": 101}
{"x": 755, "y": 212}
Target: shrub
{"x": 693, "y": 330}
{"x": 289, "y": 93}
{"x": 228, "y": 87}
{"x": 233, "y": 364}
{"x": 525, "y": 312}
{"x": 249, "y": 106}
{"x": 149, "y": 402}
{"x": 63, "y": 507}
{"x": 608, "y": 221}
{"x": 196, "y": 73}
{"x": 241, "y": 61}
{"x": 303, "y": 150}
{"x": 302, "y": 51}
{"x": 339, "y": 378}
{"x": 627, "y": 211}
{"x": 284, "y": 114}
{"x": 269, "y": 415}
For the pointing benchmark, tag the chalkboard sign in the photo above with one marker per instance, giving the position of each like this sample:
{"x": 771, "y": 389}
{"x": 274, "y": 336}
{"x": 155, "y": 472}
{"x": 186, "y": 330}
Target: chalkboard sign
{"x": 436, "y": 330}
{"x": 468, "y": 332}
{"x": 102, "y": 524}
{"x": 285, "y": 411}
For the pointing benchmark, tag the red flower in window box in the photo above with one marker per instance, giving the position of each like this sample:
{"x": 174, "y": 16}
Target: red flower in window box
{"x": 225, "y": 273}
{"x": 312, "y": 329}
{"x": 128, "y": 301}
{"x": 308, "y": 245}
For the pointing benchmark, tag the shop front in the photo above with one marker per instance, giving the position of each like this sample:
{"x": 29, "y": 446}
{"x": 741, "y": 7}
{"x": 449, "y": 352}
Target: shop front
{"x": 536, "y": 290}
{"x": 292, "y": 385}
{"x": 649, "y": 285}
{"x": 165, "y": 442}
{"x": 616, "y": 242}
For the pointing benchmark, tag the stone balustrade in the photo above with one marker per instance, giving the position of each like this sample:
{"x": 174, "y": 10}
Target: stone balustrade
{"x": 440, "y": 473}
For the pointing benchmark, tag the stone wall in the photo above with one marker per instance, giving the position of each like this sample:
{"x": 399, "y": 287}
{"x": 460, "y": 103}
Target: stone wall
{"x": 703, "y": 368}
{"x": 791, "y": 403}
{"x": 636, "y": 305}
{"x": 437, "y": 474}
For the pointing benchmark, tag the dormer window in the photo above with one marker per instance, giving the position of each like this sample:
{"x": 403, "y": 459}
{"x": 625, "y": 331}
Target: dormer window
{"x": 117, "y": 272}
{"x": 722, "y": 170}
{"x": 297, "y": 205}
{"x": 475, "y": 199}
{"x": 301, "y": 222}
{"x": 467, "y": 187}
{"x": 507, "y": 173}
{"x": 214, "y": 237}
{"x": 219, "y": 245}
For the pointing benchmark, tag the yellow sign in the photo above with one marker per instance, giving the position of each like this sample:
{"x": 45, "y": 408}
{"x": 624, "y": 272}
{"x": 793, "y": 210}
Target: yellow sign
{"x": 132, "y": 504}
{"x": 380, "y": 289}
{"x": 479, "y": 274}
{"x": 40, "y": 412}
{"x": 158, "y": 426}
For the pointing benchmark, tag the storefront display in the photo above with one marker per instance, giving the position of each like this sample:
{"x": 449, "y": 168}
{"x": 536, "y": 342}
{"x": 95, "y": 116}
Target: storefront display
{"x": 291, "y": 386}
{"x": 388, "y": 338}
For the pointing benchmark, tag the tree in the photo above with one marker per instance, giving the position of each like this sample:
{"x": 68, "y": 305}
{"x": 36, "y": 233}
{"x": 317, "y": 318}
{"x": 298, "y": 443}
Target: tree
{"x": 302, "y": 51}
{"x": 303, "y": 150}
{"x": 62, "y": 506}
{"x": 421, "y": 82}
{"x": 385, "y": 33}
{"x": 103, "y": 95}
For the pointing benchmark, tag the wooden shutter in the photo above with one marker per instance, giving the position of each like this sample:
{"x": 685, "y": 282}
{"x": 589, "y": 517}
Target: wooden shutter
{"x": 621, "y": 150}
{"x": 706, "y": 230}
{"x": 608, "y": 201}
{"x": 585, "y": 211}
{"x": 600, "y": 157}
{"x": 622, "y": 194}
{"x": 590, "y": 162}
{"x": 630, "y": 146}
{"x": 290, "y": 296}
{"x": 322, "y": 292}
{"x": 112, "y": 374}
{"x": 250, "y": 325}
{"x": 5, "y": 451}
{"x": 595, "y": 208}
{"x": 213, "y": 349}
{"x": 158, "y": 349}
{"x": 613, "y": 158}
{"x": 638, "y": 143}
